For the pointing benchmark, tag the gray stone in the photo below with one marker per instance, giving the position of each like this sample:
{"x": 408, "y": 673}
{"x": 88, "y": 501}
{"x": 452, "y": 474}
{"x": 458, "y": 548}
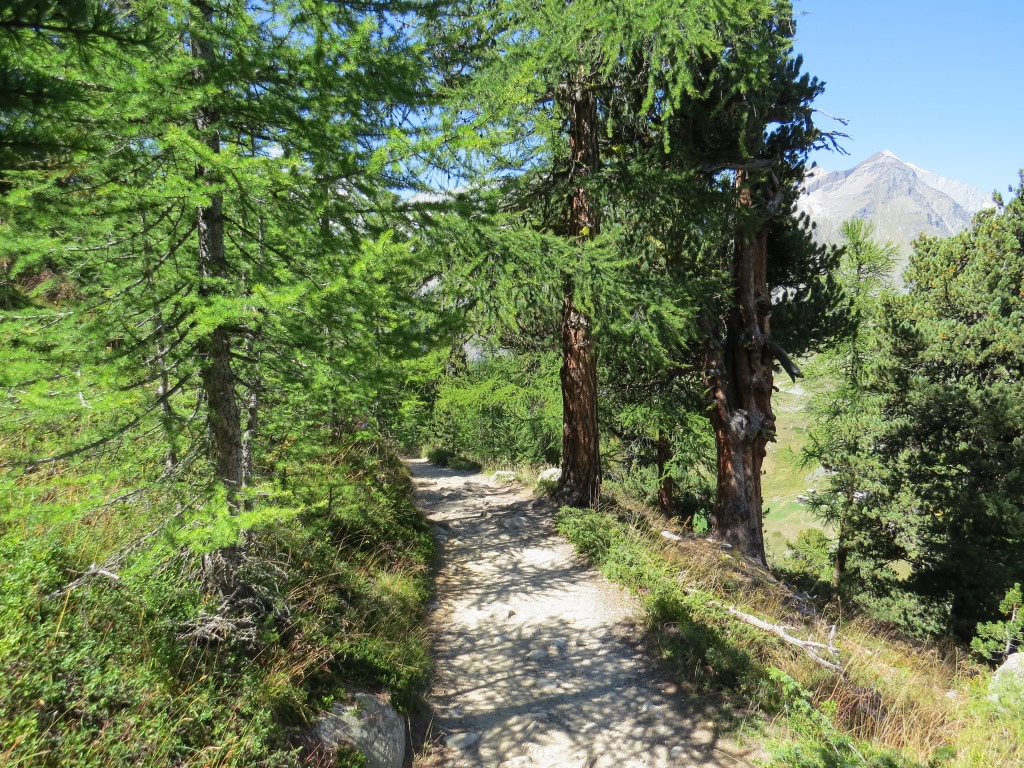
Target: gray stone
{"x": 552, "y": 475}
{"x": 461, "y": 741}
{"x": 368, "y": 724}
{"x": 1008, "y": 680}
{"x": 537, "y": 654}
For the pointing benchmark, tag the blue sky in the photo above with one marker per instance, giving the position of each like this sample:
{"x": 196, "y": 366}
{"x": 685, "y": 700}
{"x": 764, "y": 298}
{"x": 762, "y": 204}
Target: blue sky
{"x": 940, "y": 83}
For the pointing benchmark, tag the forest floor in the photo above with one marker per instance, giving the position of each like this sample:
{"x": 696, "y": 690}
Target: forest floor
{"x": 539, "y": 659}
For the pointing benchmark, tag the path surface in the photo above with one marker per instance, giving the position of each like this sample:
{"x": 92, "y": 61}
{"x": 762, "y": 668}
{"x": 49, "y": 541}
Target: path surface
{"x": 538, "y": 660}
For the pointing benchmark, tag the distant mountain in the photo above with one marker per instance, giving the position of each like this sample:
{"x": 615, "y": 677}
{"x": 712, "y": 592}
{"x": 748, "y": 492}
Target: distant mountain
{"x": 901, "y": 200}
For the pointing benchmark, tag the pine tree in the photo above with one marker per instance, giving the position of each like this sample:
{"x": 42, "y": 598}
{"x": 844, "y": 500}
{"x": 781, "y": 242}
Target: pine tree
{"x": 754, "y": 120}
{"x": 847, "y": 415}
{"x": 949, "y": 442}
{"x": 567, "y": 72}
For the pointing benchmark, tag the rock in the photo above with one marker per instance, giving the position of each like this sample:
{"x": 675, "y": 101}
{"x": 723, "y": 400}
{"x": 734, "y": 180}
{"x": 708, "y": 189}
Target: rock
{"x": 368, "y": 724}
{"x": 676, "y": 752}
{"x": 1008, "y": 680}
{"x": 551, "y": 475}
{"x": 537, "y": 654}
{"x": 514, "y": 523}
{"x": 461, "y": 741}
{"x": 503, "y": 477}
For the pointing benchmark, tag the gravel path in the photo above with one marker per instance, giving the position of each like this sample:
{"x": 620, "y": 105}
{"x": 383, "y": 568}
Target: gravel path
{"x": 538, "y": 659}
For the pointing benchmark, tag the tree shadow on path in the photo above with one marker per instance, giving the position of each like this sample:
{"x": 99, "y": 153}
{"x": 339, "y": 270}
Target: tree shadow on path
{"x": 538, "y": 660}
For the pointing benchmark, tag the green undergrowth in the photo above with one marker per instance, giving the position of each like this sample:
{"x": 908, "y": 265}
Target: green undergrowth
{"x": 897, "y": 704}
{"x": 99, "y": 671}
{"x": 444, "y": 458}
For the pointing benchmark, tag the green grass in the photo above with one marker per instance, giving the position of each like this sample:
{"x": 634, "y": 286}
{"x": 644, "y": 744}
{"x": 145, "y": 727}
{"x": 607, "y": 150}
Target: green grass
{"x": 786, "y": 478}
{"x": 898, "y": 704}
{"x": 102, "y": 674}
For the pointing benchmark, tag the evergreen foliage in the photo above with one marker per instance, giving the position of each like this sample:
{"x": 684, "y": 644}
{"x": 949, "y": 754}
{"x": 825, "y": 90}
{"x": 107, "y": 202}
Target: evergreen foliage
{"x": 220, "y": 290}
{"x": 849, "y": 413}
{"x": 929, "y": 475}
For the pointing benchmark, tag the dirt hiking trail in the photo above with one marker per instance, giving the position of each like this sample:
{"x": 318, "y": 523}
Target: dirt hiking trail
{"x": 539, "y": 661}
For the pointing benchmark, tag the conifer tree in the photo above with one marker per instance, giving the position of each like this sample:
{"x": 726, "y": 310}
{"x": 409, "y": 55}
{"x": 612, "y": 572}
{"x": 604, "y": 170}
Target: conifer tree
{"x": 563, "y": 72}
{"x": 235, "y": 229}
{"x": 945, "y": 490}
{"x": 754, "y": 121}
{"x": 847, "y": 415}
{"x": 48, "y": 81}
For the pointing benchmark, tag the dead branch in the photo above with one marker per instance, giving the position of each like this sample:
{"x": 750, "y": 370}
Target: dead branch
{"x": 784, "y": 359}
{"x": 90, "y": 572}
{"x": 809, "y": 647}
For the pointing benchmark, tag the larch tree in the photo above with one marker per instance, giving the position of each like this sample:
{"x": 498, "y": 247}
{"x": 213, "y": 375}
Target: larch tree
{"x": 236, "y": 228}
{"x": 847, "y": 415}
{"x": 551, "y": 77}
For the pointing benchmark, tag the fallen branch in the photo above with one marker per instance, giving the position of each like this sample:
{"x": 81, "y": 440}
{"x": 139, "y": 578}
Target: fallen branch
{"x": 809, "y": 647}
{"x": 89, "y": 573}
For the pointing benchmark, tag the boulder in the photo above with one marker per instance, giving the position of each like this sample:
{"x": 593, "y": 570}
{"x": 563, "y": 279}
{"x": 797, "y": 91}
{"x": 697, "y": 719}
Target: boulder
{"x": 367, "y": 723}
{"x": 1008, "y": 680}
{"x": 551, "y": 475}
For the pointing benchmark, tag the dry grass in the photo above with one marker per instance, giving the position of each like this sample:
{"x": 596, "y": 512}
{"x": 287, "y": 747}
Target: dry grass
{"x": 920, "y": 698}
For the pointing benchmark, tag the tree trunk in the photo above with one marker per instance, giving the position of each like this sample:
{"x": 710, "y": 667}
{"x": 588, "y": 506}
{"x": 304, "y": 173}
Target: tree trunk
{"x": 220, "y": 568}
{"x": 581, "y": 456}
{"x": 840, "y": 566}
{"x": 841, "y": 552}
{"x": 739, "y": 379}
{"x": 665, "y": 485}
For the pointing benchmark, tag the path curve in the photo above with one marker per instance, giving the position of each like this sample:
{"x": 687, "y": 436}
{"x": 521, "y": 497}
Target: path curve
{"x": 539, "y": 661}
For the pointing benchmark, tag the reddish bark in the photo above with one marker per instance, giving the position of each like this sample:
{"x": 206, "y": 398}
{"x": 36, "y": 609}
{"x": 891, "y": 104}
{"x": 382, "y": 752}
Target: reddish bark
{"x": 739, "y": 379}
{"x": 581, "y": 457}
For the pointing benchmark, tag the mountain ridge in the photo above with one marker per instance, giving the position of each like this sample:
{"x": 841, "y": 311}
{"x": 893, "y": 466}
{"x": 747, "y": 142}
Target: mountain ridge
{"x": 899, "y": 198}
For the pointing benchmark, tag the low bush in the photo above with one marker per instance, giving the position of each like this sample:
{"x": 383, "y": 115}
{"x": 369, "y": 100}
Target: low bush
{"x": 99, "y": 670}
{"x": 442, "y": 458}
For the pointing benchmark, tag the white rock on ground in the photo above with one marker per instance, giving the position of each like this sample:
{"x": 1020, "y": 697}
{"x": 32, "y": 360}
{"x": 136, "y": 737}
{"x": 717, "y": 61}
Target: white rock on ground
{"x": 531, "y": 650}
{"x": 1008, "y": 680}
{"x": 550, "y": 475}
{"x": 369, "y": 724}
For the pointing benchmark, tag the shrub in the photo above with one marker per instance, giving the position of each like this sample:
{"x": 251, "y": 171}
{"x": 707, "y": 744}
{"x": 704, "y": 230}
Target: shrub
{"x": 995, "y": 640}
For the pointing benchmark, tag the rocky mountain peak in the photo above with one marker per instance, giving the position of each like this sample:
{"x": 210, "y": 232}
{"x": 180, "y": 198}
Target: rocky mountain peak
{"x": 901, "y": 200}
